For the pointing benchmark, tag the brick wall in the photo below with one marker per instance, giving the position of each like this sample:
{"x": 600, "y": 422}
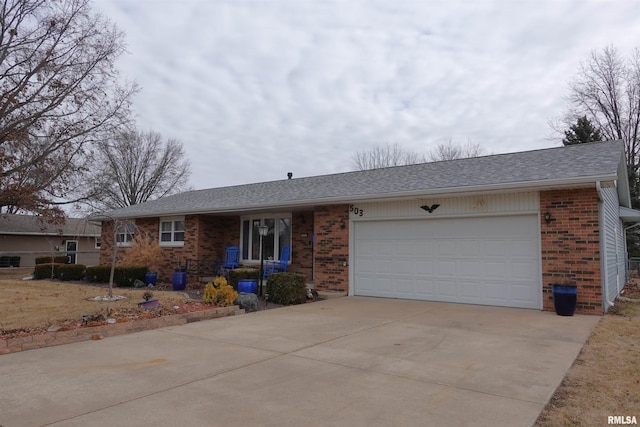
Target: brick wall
{"x": 301, "y": 246}
{"x": 204, "y": 237}
{"x": 570, "y": 246}
{"x": 332, "y": 248}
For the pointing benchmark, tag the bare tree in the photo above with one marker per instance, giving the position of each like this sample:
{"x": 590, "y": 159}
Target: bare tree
{"x": 451, "y": 151}
{"x": 134, "y": 167}
{"x": 58, "y": 94}
{"x": 606, "y": 90}
{"x": 382, "y": 156}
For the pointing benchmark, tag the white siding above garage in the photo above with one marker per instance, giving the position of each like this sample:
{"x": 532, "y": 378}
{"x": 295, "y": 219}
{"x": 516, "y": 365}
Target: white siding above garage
{"x": 494, "y": 204}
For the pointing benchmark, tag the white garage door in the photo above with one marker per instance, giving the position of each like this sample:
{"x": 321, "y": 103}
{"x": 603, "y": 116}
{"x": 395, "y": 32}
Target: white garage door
{"x": 490, "y": 261}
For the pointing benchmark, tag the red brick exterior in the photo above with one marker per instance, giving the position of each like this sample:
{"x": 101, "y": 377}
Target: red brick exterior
{"x": 570, "y": 246}
{"x": 301, "y": 246}
{"x": 205, "y": 237}
{"x": 331, "y": 224}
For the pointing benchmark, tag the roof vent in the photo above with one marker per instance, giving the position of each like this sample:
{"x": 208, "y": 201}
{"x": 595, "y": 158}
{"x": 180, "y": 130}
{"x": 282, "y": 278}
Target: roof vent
{"x": 290, "y": 175}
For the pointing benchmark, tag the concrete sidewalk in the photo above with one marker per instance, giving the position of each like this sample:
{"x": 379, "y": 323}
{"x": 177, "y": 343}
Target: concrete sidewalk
{"x": 350, "y": 361}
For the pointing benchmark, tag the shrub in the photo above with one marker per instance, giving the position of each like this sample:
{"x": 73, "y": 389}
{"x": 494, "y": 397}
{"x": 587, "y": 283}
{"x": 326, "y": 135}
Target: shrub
{"x": 45, "y": 271}
{"x": 123, "y": 276}
{"x": 59, "y": 271}
{"x": 145, "y": 251}
{"x": 59, "y": 259}
{"x": 219, "y": 293}
{"x": 287, "y": 288}
{"x": 70, "y": 271}
{"x": 242, "y": 273}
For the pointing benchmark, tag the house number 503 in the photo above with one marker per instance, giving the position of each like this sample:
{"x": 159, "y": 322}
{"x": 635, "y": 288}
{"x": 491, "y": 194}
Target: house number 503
{"x": 356, "y": 211}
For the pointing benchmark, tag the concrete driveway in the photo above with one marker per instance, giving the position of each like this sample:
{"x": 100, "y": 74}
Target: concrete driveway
{"x": 350, "y": 361}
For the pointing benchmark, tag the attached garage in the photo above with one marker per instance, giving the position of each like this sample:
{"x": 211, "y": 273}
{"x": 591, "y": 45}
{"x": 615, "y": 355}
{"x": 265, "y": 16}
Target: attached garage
{"x": 482, "y": 260}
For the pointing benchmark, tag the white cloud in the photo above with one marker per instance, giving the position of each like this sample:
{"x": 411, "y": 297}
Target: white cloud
{"x": 257, "y": 89}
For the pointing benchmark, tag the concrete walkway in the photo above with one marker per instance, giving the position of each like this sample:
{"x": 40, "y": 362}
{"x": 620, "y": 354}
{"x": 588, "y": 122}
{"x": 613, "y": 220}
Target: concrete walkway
{"x": 350, "y": 361}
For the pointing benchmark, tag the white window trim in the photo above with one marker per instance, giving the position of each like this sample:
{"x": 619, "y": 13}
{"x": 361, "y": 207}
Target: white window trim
{"x": 172, "y": 243}
{"x": 97, "y": 242}
{"x": 126, "y": 244}
{"x": 261, "y": 217}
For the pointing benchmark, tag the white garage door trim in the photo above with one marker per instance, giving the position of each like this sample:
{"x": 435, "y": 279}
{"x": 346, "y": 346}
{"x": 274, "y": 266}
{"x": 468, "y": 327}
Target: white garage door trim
{"x": 480, "y": 260}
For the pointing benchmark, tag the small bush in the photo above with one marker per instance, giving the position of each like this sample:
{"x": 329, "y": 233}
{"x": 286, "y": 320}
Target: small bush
{"x": 59, "y": 271}
{"x": 123, "y": 276}
{"x": 242, "y": 273}
{"x": 287, "y": 288}
{"x": 70, "y": 271}
{"x": 45, "y": 271}
{"x": 59, "y": 259}
{"x": 219, "y": 293}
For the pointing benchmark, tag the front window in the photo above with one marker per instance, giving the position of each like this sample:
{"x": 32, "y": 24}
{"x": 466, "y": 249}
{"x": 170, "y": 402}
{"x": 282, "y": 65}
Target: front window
{"x": 278, "y": 236}
{"x": 172, "y": 231}
{"x": 124, "y": 236}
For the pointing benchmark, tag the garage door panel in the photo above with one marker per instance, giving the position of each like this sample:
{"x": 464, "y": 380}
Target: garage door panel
{"x": 496, "y": 291}
{"x": 447, "y": 288}
{"x": 400, "y": 266}
{"x": 496, "y": 270}
{"x": 521, "y": 248}
{"x": 405, "y": 286}
{"x": 404, "y": 248}
{"x": 445, "y": 268}
{"x": 445, "y": 248}
{"x": 469, "y": 248}
{"x": 424, "y": 268}
{"x": 523, "y": 270}
{"x": 494, "y": 248}
{"x": 425, "y": 287}
{"x": 471, "y": 290}
{"x": 494, "y": 261}
{"x": 423, "y": 248}
{"x": 469, "y": 268}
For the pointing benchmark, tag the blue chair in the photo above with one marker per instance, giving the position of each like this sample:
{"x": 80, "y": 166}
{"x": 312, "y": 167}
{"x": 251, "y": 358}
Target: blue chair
{"x": 271, "y": 267}
{"x": 231, "y": 259}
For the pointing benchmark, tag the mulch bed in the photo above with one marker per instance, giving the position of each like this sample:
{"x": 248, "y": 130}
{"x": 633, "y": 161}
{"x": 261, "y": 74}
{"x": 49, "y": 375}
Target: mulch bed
{"x": 119, "y": 315}
{"x": 194, "y": 291}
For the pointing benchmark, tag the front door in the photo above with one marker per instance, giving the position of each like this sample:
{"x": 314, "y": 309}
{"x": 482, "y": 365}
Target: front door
{"x": 71, "y": 247}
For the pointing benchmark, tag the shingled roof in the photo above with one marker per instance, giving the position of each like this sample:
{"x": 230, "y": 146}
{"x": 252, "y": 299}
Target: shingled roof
{"x": 33, "y": 225}
{"x": 561, "y": 166}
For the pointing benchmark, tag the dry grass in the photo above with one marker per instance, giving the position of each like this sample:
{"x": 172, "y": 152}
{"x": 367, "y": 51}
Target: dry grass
{"x": 35, "y": 303}
{"x": 605, "y": 378}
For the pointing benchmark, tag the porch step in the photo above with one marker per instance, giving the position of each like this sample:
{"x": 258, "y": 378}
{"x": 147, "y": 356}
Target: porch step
{"x": 331, "y": 294}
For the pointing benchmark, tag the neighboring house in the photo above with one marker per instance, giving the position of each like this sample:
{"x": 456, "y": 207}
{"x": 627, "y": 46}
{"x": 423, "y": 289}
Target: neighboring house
{"x": 495, "y": 230}
{"x": 23, "y": 238}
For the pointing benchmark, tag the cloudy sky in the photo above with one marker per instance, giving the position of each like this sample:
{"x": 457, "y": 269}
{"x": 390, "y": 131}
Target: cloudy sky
{"x": 255, "y": 89}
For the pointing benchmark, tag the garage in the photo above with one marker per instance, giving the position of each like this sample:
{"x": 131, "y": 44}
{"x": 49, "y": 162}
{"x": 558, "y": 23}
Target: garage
{"x": 483, "y": 260}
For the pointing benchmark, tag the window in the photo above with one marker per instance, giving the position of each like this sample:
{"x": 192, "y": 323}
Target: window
{"x": 278, "y": 235}
{"x": 98, "y": 242}
{"x": 172, "y": 231}
{"x": 125, "y": 234}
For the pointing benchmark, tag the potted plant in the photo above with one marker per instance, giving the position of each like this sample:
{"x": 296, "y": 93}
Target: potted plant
{"x": 148, "y": 303}
{"x": 146, "y": 252}
{"x": 179, "y": 277}
{"x": 565, "y": 298}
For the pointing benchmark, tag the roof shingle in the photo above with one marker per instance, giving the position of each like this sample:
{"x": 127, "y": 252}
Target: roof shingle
{"x": 577, "y": 163}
